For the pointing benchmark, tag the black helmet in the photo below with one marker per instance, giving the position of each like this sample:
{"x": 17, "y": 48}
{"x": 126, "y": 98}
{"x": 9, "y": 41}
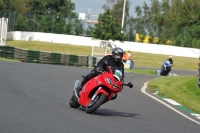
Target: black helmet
{"x": 117, "y": 51}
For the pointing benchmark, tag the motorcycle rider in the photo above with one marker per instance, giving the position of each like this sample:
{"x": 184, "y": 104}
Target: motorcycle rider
{"x": 170, "y": 60}
{"x": 114, "y": 60}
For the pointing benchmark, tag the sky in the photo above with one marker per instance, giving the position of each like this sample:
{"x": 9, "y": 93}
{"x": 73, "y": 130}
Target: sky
{"x": 95, "y": 6}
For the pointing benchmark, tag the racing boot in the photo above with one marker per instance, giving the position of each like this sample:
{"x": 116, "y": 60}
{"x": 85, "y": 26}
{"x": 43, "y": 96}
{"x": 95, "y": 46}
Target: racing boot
{"x": 79, "y": 88}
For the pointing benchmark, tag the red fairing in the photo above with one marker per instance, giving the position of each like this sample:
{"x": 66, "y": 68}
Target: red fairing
{"x": 104, "y": 83}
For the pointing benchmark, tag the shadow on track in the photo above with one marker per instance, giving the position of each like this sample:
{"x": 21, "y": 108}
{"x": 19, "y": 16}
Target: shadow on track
{"x": 109, "y": 112}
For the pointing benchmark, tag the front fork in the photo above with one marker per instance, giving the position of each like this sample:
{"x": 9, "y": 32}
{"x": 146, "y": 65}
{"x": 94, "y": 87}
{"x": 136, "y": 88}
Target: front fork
{"x": 100, "y": 90}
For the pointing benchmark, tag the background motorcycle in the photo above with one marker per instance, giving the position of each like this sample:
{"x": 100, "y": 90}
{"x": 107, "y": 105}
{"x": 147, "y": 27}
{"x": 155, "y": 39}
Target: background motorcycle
{"x": 98, "y": 90}
{"x": 165, "y": 69}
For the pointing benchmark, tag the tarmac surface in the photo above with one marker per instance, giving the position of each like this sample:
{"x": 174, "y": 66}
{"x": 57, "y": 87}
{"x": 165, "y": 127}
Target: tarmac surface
{"x": 34, "y": 99}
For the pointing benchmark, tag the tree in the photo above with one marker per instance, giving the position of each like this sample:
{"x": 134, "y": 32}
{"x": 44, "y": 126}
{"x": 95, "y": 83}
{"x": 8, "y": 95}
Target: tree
{"x": 39, "y": 7}
{"x": 107, "y": 27}
{"x": 116, "y": 8}
{"x": 2, "y": 6}
{"x": 139, "y": 23}
{"x": 130, "y": 29}
{"x": 16, "y": 5}
{"x": 59, "y": 15}
{"x": 89, "y": 30}
{"x": 109, "y": 4}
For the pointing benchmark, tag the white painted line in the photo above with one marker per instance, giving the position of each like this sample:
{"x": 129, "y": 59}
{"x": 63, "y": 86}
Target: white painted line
{"x": 196, "y": 115}
{"x": 143, "y": 89}
{"x": 171, "y": 101}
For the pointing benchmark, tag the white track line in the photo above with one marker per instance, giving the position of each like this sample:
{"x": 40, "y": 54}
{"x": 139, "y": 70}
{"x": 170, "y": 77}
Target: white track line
{"x": 143, "y": 89}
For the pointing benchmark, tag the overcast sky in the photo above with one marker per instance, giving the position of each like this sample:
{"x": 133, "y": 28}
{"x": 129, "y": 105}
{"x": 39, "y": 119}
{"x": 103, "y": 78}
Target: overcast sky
{"x": 95, "y": 6}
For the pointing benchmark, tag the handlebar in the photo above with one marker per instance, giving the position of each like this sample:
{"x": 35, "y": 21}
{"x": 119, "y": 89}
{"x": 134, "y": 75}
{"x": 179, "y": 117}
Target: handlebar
{"x": 129, "y": 85}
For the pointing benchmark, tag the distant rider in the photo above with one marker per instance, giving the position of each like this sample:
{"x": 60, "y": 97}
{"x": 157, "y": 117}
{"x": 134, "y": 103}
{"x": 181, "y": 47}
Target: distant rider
{"x": 170, "y": 60}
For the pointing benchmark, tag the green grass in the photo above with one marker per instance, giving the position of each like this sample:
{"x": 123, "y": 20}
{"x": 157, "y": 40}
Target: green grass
{"x": 52, "y": 47}
{"x": 141, "y": 59}
{"x": 12, "y": 60}
{"x": 156, "y": 60}
{"x": 182, "y": 89}
{"x": 140, "y": 71}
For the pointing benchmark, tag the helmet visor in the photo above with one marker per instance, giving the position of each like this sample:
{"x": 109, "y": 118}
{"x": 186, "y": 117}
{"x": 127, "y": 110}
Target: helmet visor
{"x": 118, "y": 56}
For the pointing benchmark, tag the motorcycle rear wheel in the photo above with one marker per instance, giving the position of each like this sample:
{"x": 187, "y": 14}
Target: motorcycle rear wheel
{"x": 95, "y": 104}
{"x": 73, "y": 102}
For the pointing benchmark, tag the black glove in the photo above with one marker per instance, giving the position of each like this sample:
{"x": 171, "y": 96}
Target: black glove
{"x": 99, "y": 69}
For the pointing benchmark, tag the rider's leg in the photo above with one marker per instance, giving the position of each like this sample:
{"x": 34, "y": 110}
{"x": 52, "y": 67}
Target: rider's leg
{"x": 86, "y": 79}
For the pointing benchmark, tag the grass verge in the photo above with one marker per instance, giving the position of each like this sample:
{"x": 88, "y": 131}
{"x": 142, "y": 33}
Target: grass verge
{"x": 141, "y": 71}
{"x": 52, "y": 47}
{"x": 140, "y": 59}
{"x": 12, "y": 60}
{"x": 182, "y": 89}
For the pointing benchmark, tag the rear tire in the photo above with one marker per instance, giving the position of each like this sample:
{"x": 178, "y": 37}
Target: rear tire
{"x": 73, "y": 102}
{"x": 97, "y": 103}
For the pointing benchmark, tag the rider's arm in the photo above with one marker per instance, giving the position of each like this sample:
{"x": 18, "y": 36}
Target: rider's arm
{"x": 102, "y": 63}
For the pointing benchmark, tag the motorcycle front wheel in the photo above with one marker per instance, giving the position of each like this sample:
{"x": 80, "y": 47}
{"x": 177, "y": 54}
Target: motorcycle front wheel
{"x": 96, "y": 103}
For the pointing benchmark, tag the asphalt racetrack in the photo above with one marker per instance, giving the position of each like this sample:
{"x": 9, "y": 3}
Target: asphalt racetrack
{"x": 34, "y": 99}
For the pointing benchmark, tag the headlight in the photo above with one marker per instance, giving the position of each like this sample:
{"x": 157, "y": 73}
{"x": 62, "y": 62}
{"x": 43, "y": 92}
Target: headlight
{"x": 115, "y": 86}
{"x": 109, "y": 81}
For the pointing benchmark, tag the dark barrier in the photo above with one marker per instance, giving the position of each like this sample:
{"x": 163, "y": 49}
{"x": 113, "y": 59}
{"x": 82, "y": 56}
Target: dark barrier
{"x": 33, "y": 56}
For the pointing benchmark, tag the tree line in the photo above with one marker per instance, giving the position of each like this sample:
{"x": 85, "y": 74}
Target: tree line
{"x": 171, "y": 22}
{"x": 57, "y": 16}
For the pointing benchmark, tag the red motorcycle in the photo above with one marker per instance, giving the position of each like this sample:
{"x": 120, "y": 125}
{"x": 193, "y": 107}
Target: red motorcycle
{"x": 98, "y": 90}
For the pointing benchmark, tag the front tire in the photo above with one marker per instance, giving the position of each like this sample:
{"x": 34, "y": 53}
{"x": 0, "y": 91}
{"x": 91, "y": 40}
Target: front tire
{"x": 163, "y": 73}
{"x": 73, "y": 102}
{"x": 94, "y": 105}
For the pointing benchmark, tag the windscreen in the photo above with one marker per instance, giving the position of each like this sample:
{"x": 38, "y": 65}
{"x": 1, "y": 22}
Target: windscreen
{"x": 117, "y": 73}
